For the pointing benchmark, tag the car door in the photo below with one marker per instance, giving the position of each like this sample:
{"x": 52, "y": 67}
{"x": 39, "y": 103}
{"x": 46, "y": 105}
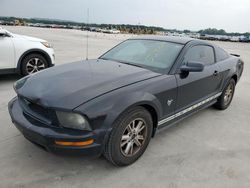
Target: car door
{"x": 198, "y": 86}
{"x": 6, "y": 52}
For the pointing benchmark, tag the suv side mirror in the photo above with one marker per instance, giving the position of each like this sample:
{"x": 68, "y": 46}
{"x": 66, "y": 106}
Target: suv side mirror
{"x": 192, "y": 67}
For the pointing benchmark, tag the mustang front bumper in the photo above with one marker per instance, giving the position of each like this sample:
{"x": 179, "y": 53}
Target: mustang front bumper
{"x": 46, "y": 136}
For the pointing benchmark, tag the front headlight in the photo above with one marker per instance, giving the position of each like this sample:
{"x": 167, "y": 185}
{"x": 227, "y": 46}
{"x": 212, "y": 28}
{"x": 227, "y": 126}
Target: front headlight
{"x": 46, "y": 44}
{"x": 72, "y": 120}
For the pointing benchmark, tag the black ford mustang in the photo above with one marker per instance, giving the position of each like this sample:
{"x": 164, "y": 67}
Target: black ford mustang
{"x": 115, "y": 104}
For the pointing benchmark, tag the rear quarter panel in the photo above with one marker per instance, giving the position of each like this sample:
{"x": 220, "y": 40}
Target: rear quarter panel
{"x": 229, "y": 68}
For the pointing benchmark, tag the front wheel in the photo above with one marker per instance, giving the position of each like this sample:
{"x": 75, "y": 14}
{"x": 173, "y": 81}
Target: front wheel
{"x": 33, "y": 63}
{"x": 226, "y": 97}
{"x": 129, "y": 137}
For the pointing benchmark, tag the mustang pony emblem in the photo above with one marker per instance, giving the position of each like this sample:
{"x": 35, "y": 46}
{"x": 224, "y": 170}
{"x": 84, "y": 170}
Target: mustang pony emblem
{"x": 169, "y": 102}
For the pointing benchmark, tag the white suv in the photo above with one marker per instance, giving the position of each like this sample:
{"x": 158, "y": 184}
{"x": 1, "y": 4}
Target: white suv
{"x": 23, "y": 54}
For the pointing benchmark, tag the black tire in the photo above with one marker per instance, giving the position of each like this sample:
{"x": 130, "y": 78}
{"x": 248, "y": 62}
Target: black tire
{"x": 33, "y": 59}
{"x": 222, "y": 103}
{"x": 113, "y": 148}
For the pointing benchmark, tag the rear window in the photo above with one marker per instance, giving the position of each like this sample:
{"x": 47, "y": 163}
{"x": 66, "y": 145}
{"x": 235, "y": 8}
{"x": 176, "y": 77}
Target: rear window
{"x": 221, "y": 54}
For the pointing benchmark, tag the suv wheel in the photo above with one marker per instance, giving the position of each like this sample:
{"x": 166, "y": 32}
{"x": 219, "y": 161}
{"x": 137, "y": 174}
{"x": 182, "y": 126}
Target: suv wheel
{"x": 129, "y": 137}
{"x": 33, "y": 63}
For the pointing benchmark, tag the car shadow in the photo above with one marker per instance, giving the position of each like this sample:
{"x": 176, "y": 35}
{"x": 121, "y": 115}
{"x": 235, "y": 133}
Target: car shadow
{"x": 188, "y": 121}
{"x": 9, "y": 78}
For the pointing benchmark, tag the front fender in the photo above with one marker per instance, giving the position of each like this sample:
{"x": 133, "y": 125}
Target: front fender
{"x": 34, "y": 50}
{"x": 103, "y": 112}
{"x": 137, "y": 99}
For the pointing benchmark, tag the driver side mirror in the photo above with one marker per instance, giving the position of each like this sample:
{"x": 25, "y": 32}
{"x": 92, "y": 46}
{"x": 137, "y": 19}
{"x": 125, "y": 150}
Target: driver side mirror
{"x": 192, "y": 67}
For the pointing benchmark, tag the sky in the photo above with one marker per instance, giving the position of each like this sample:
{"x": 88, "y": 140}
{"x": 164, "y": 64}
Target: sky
{"x": 231, "y": 15}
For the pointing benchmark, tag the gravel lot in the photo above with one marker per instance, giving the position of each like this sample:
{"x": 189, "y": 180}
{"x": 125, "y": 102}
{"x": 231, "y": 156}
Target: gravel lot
{"x": 209, "y": 149}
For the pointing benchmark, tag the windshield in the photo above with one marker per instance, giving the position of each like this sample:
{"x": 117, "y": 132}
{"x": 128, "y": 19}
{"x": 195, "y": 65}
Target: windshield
{"x": 157, "y": 55}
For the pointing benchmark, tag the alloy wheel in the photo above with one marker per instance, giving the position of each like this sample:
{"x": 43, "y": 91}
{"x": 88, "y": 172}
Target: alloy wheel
{"x": 228, "y": 94}
{"x": 35, "y": 65}
{"x": 133, "y": 137}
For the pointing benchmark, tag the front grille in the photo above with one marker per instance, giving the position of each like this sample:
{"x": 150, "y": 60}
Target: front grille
{"x": 36, "y": 113}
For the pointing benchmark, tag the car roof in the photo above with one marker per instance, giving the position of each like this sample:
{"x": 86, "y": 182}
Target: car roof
{"x": 175, "y": 39}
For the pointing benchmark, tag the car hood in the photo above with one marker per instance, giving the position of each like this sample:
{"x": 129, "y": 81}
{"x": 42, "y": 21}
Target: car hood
{"x": 33, "y": 39}
{"x": 70, "y": 85}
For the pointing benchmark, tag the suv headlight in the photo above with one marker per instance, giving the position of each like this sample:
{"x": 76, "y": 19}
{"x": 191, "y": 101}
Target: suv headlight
{"x": 46, "y": 44}
{"x": 72, "y": 120}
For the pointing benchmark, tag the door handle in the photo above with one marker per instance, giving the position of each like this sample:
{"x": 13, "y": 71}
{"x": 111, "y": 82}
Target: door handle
{"x": 215, "y": 73}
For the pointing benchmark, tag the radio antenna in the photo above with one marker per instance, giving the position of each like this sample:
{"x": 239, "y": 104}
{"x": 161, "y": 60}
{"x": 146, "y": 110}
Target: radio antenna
{"x": 87, "y": 42}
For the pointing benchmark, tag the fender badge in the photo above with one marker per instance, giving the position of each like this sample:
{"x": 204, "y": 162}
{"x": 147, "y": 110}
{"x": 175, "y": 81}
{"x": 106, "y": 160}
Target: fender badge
{"x": 169, "y": 102}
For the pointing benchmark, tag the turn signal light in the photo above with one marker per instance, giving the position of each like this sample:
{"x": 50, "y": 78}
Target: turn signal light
{"x": 84, "y": 143}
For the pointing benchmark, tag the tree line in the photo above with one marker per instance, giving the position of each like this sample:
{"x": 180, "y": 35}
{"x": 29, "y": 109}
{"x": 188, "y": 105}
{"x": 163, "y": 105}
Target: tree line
{"x": 124, "y": 28}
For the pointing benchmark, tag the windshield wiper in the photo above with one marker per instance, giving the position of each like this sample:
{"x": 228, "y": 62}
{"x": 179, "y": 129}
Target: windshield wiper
{"x": 127, "y": 63}
{"x": 123, "y": 62}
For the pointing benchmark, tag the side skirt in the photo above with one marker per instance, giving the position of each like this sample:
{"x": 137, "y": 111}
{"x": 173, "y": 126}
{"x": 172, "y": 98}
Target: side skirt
{"x": 174, "y": 119}
{"x": 168, "y": 125}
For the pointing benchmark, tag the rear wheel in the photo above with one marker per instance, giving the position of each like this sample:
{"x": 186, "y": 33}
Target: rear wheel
{"x": 130, "y": 137}
{"x": 226, "y": 97}
{"x": 33, "y": 63}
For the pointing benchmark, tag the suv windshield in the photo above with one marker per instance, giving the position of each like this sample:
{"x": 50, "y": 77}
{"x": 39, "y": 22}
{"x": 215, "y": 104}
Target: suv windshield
{"x": 152, "y": 54}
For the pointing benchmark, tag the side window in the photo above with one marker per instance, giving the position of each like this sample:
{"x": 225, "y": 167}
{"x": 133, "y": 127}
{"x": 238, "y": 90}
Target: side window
{"x": 201, "y": 54}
